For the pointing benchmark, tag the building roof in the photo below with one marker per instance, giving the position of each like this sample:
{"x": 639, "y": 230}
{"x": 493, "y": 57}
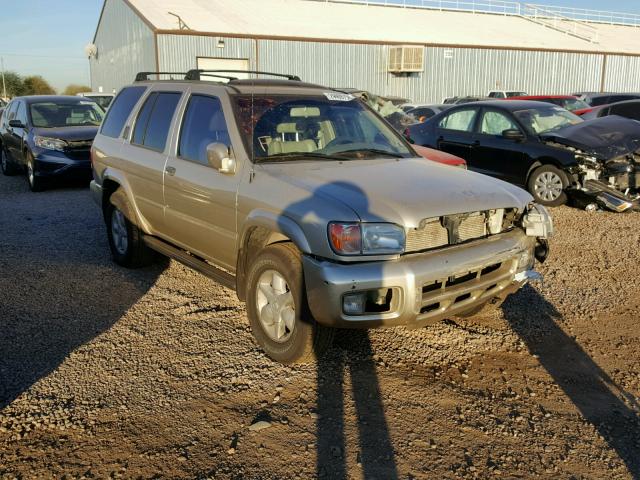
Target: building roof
{"x": 349, "y": 22}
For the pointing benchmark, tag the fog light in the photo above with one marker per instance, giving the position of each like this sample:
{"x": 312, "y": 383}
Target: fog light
{"x": 354, "y": 303}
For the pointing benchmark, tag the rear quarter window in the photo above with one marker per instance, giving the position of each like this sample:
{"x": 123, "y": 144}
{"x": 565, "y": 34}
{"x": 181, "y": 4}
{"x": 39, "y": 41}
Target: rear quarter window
{"x": 159, "y": 108}
{"x": 120, "y": 110}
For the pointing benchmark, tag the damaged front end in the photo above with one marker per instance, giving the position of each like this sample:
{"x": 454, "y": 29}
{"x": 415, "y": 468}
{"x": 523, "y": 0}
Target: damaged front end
{"x": 606, "y": 174}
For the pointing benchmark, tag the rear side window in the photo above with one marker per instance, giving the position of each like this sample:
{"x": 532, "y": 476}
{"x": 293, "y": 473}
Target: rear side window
{"x": 120, "y": 111}
{"x": 629, "y": 110}
{"x": 461, "y": 120}
{"x": 203, "y": 124}
{"x": 159, "y": 110}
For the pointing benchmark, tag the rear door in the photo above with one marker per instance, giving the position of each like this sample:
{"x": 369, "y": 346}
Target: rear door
{"x": 454, "y": 132}
{"x": 144, "y": 153}
{"x": 16, "y": 134}
{"x": 495, "y": 155}
{"x": 201, "y": 201}
{"x": 9, "y": 114}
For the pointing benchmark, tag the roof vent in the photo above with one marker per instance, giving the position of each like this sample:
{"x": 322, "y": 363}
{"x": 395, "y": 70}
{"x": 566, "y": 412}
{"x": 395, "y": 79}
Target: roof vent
{"x": 406, "y": 59}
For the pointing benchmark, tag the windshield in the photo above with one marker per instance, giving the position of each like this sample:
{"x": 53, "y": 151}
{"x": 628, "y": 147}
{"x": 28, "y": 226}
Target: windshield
{"x": 573, "y": 104}
{"x": 543, "y": 120}
{"x": 333, "y": 126}
{"x": 65, "y": 114}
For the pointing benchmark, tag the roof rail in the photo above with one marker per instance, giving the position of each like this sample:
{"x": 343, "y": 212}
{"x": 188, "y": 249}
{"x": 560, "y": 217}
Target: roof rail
{"x": 196, "y": 73}
{"x": 144, "y": 76}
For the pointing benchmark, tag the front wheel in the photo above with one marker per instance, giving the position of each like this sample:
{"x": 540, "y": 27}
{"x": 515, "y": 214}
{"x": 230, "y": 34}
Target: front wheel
{"x": 547, "y": 184}
{"x": 36, "y": 183}
{"x": 277, "y": 307}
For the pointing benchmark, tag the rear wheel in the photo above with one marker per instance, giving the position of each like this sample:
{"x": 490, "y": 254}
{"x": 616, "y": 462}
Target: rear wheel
{"x": 125, "y": 239}
{"x": 36, "y": 183}
{"x": 277, "y": 307}
{"x": 547, "y": 184}
{"x": 8, "y": 167}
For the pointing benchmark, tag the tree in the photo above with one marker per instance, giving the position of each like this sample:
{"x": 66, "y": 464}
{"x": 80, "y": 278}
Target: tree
{"x": 74, "y": 89}
{"x": 14, "y": 84}
{"x": 36, "y": 85}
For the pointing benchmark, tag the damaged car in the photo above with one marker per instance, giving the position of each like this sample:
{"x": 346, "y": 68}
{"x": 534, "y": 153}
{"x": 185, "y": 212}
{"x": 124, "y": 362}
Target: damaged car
{"x": 553, "y": 153}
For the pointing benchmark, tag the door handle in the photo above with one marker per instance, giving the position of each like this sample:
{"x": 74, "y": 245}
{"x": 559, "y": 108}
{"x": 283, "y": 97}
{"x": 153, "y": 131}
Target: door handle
{"x": 169, "y": 170}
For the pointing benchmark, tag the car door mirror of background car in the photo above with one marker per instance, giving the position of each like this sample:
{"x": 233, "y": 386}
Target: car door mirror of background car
{"x": 221, "y": 158}
{"x": 16, "y": 124}
{"x": 513, "y": 134}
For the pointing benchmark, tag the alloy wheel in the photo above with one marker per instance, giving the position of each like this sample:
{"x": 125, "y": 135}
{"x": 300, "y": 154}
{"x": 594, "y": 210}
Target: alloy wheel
{"x": 275, "y": 306}
{"x": 119, "y": 232}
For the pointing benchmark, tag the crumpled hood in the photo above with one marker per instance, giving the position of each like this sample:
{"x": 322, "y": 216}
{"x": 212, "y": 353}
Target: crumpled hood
{"x": 403, "y": 191}
{"x": 70, "y": 134}
{"x": 605, "y": 137}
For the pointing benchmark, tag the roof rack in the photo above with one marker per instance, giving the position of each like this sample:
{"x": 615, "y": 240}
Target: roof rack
{"x": 144, "y": 76}
{"x": 197, "y": 73}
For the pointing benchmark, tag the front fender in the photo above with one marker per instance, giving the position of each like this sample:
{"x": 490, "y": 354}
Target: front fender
{"x": 276, "y": 223}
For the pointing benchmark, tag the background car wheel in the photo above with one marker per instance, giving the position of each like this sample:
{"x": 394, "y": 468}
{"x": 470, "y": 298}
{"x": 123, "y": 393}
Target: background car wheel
{"x": 547, "y": 184}
{"x": 126, "y": 240}
{"x": 36, "y": 184}
{"x": 8, "y": 167}
{"x": 277, "y": 307}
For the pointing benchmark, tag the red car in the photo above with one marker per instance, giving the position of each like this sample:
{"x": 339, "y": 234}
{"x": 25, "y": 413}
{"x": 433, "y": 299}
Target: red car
{"x": 568, "y": 102}
{"x": 439, "y": 156}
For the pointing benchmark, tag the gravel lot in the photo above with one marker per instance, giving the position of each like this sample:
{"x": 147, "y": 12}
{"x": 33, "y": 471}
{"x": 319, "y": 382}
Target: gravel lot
{"x": 153, "y": 373}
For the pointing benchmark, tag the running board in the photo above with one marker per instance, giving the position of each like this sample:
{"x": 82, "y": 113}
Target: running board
{"x": 208, "y": 270}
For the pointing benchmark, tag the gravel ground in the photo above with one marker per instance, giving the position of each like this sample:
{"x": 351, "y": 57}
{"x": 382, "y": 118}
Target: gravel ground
{"x": 153, "y": 373}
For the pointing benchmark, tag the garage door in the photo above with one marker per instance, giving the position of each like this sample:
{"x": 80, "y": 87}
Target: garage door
{"x": 207, "y": 63}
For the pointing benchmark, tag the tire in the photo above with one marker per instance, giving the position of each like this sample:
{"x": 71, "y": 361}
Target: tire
{"x": 8, "y": 167}
{"x": 295, "y": 337}
{"x": 126, "y": 241}
{"x": 548, "y": 186}
{"x": 36, "y": 184}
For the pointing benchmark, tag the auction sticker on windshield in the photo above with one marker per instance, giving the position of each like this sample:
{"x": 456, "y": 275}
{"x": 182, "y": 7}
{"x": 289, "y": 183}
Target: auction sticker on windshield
{"x": 339, "y": 97}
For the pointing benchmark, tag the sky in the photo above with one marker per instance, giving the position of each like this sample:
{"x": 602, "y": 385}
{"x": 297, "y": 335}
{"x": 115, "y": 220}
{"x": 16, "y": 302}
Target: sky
{"x": 47, "y": 37}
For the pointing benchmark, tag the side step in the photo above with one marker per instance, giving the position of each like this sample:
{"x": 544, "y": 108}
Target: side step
{"x": 208, "y": 270}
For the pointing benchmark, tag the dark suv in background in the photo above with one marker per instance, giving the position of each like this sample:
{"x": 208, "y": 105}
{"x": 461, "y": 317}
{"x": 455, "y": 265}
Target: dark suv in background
{"x": 48, "y": 136}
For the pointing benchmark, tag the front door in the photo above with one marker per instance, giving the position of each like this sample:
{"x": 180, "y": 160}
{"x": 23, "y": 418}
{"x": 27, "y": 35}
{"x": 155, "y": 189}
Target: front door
{"x": 495, "y": 155}
{"x": 200, "y": 212}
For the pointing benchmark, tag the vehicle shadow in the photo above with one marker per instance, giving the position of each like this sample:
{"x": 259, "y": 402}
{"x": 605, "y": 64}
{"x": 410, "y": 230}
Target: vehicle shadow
{"x": 351, "y": 357}
{"x": 600, "y": 401}
{"x": 375, "y": 453}
{"x": 59, "y": 288}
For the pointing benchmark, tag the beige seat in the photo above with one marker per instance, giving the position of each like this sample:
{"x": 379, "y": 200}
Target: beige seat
{"x": 283, "y": 144}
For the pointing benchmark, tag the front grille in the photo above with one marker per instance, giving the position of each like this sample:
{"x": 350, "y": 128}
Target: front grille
{"x": 432, "y": 233}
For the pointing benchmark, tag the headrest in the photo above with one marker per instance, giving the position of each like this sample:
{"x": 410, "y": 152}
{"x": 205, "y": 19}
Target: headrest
{"x": 286, "y": 128}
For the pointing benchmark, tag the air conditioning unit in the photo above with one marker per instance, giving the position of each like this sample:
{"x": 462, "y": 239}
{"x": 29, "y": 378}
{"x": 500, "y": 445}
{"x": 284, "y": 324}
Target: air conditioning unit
{"x": 406, "y": 59}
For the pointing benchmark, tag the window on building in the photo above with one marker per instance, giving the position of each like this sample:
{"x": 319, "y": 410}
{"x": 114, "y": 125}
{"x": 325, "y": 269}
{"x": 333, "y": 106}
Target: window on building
{"x": 203, "y": 123}
{"x": 120, "y": 111}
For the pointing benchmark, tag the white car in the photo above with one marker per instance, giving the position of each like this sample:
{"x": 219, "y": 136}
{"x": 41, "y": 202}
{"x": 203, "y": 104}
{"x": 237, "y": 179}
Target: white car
{"x": 506, "y": 93}
{"x": 102, "y": 99}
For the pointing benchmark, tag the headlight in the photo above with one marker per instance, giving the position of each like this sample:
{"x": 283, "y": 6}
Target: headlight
{"x": 537, "y": 221}
{"x": 49, "y": 143}
{"x": 366, "y": 238}
{"x": 581, "y": 158}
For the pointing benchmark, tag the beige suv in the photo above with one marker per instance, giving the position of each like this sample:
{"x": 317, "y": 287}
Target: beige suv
{"x": 309, "y": 205}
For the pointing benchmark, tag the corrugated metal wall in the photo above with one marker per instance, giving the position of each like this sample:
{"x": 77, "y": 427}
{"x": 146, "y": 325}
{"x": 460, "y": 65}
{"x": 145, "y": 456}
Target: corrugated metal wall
{"x": 622, "y": 74}
{"x": 178, "y": 53}
{"x": 125, "y": 46}
{"x": 448, "y": 71}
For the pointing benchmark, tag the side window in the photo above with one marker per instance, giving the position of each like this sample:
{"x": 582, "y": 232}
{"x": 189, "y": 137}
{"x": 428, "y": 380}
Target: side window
{"x": 143, "y": 119}
{"x": 494, "y": 123}
{"x": 156, "y": 127}
{"x": 203, "y": 124}
{"x": 120, "y": 110}
{"x": 21, "y": 113}
{"x": 11, "y": 112}
{"x": 629, "y": 110}
{"x": 492, "y": 94}
{"x": 460, "y": 120}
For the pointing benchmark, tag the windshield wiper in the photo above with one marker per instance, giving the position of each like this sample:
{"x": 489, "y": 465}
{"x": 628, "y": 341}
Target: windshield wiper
{"x": 377, "y": 151}
{"x": 281, "y": 157}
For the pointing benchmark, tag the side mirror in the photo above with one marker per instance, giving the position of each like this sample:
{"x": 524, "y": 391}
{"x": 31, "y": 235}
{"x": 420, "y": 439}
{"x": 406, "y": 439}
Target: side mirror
{"x": 513, "y": 134}
{"x": 16, "y": 124}
{"x": 220, "y": 157}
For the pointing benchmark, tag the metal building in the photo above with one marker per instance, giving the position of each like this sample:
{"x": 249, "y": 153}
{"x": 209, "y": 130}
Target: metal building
{"x": 424, "y": 50}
